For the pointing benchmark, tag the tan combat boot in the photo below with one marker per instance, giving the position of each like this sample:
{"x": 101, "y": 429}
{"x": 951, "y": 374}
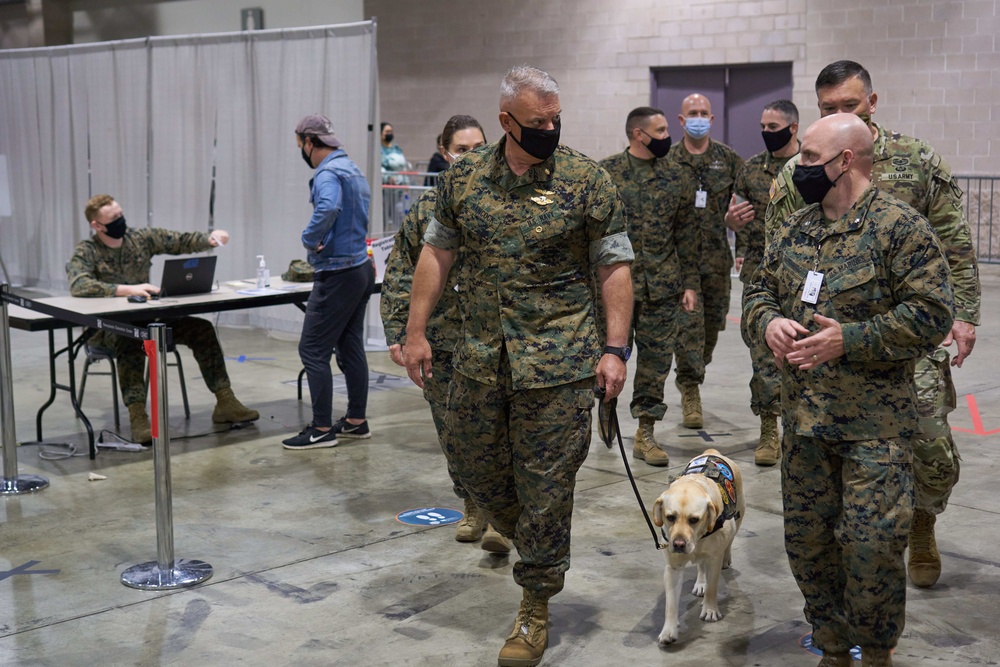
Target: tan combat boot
{"x": 768, "y": 450}
{"x": 835, "y": 660}
{"x": 646, "y": 448}
{"x": 924, "y": 564}
{"x": 494, "y": 542}
{"x": 876, "y": 657}
{"x": 142, "y": 432}
{"x": 691, "y": 405}
{"x": 472, "y": 525}
{"x": 529, "y": 638}
{"x": 229, "y": 410}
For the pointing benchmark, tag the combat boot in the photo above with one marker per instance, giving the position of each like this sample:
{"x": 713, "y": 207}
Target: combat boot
{"x": 646, "y": 448}
{"x": 142, "y": 432}
{"x": 876, "y": 657}
{"x": 691, "y": 405}
{"x": 529, "y": 638}
{"x": 494, "y": 542}
{"x": 924, "y": 564}
{"x": 472, "y": 525}
{"x": 229, "y": 410}
{"x": 768, "y": 450}
{"x": 835, "y": 660}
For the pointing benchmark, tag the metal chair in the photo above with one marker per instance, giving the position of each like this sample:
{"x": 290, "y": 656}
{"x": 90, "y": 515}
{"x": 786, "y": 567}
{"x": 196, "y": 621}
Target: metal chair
{"x": 95, "y": 354}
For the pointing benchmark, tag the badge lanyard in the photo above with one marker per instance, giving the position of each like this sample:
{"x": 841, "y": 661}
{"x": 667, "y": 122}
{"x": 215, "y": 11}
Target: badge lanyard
{"x": 814, "y": 279}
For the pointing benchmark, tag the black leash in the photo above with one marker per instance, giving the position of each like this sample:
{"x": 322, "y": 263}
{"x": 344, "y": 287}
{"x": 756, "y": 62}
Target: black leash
{"x": 607, "y": 425}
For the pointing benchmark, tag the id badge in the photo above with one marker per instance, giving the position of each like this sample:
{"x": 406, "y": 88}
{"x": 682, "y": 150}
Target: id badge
{"x": 700, "y": 199}
{"x": 810, "y": 292}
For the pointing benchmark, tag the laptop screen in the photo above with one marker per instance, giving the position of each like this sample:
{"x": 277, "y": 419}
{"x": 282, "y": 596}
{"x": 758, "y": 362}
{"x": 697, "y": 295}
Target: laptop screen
{"x": 188, "y": 275}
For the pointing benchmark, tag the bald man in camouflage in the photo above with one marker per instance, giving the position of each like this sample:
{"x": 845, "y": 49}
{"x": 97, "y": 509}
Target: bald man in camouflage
{"x": 851, "y": 291}
{"x": 912, "y": 171}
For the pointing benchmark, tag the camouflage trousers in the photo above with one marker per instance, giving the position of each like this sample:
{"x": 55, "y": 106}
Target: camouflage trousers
{"x": 698, "y": 331}
{"x": 848, "y": 508}
{"x": 653, "y": 331}
{"x": 765, "y": 383}
{"x": 517, "y": 453}
{"x": 936, "y": 464}
{"x": 436, "y": 394}
{"x": 130, "y": 356}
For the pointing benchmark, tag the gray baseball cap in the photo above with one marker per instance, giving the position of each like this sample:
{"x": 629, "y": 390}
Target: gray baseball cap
{"x": 319, "y": 126}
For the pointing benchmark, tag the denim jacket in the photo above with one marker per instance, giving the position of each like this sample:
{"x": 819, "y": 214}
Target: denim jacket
{"x": 340, "y": 195}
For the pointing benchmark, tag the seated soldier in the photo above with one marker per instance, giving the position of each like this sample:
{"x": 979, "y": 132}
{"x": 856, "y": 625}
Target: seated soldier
{"x": 115, "y": 262}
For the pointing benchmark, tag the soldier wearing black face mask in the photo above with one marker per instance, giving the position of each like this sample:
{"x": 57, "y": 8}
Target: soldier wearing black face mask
{"x": 664, "y": 277}
{"x": 779, "y": 124}
{"x": 534, "y": 221}
{"x": 115, "y": 262}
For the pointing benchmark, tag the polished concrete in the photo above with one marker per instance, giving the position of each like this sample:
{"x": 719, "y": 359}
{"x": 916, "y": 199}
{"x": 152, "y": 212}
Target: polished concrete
{"x": 311, "y": 566}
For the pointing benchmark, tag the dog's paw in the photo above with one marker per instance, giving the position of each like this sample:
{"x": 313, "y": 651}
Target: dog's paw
{"x": 710, "y": 615}
{"x": 699, "y": 589}
{"x": 667, "y": 636}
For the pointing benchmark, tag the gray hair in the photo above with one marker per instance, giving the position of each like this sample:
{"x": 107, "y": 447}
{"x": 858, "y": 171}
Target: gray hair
{"x": 523, "y": 78}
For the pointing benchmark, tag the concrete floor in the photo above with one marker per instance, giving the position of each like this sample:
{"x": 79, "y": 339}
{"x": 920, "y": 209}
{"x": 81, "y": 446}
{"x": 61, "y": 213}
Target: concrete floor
{"x": 311, "y": 566}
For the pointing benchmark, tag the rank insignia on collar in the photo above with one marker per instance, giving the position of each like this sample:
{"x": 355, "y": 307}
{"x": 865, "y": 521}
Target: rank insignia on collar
{"x": 542, "y": 200}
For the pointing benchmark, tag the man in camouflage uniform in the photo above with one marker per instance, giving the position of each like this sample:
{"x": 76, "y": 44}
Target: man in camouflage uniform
{"x": 461, "y": 134}
{"x": 115, "y": 262}
{"x": 912, "y": 171}
{"x": 851, "y": 291}
{"x": 779, "y": 124}
{"x": 534, "y": 221}
{"x": 712, "y": 168}
{"x": 661, "y": 231}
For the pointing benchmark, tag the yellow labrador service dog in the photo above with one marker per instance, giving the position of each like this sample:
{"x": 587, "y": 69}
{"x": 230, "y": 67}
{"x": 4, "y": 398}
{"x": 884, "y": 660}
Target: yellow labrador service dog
{"x": 699, "y": 515}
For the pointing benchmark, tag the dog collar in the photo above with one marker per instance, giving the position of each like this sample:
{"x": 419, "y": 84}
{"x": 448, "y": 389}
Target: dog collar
{"x": 717, "y": 470}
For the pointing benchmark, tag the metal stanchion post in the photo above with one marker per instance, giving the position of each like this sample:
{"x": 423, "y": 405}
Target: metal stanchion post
{"x": 164, "y": 572}
{"x": 12, "y": 483}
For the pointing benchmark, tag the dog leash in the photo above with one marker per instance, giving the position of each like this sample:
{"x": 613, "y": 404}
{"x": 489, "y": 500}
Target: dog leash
{"x": 607, "y": 425}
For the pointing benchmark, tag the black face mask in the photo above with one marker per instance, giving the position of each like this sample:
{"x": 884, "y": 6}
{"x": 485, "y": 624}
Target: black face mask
{"x": 812, "y": 182}
{"x": 777, "y": 140}
{"x": 307, "y": 157}
{"x": 116, "y": 228}
{"x": 539, "y": 144}
{"x": 658, "y": 147}
{"x": 389, "y": 137}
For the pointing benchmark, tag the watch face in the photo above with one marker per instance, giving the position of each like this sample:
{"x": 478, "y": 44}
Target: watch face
{"x": 626, "y": 353}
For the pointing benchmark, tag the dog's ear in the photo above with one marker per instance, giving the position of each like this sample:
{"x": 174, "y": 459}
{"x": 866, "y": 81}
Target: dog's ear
{"x": 711, "y": 516}
{"x": 658, "y": 512}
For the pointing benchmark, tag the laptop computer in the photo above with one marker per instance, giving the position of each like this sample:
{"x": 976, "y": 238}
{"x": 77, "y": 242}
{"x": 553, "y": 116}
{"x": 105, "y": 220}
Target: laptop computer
{"x": 188, "y": 275}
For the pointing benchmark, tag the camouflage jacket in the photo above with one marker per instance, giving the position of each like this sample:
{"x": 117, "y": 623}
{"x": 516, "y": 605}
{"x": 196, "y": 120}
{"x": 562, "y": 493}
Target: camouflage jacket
{"x": 659, "y": 227}
{"x": 715, "y": 172}
{"x": 530, "y": 244}
{"x": 910, "y": 170}
{"x": 754, "y": 183}
{"x": 886, "y": 281}
{"x": 97, "y": 270}
{"x": 445, "y": 323}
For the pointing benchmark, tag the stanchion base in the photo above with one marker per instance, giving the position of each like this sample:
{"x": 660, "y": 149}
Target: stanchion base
{"x": 150, "y": 576}
{"x": 15, "y": 486}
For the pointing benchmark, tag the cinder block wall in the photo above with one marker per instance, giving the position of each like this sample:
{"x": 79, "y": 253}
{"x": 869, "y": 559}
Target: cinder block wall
{"x": 934, "y": 63}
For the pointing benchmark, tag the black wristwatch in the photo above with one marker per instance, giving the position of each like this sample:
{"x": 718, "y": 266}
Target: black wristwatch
{"x": 623, "y": 353}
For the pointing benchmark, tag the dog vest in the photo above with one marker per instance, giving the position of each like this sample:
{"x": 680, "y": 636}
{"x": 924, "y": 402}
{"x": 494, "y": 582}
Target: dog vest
{"x": 719, "y": 472}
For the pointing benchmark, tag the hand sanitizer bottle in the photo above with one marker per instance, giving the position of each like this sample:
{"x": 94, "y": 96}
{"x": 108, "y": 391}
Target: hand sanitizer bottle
{"x": 263, "y": 275}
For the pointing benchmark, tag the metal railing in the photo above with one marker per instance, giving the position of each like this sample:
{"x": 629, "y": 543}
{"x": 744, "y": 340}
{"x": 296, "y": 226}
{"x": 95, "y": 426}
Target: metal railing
{"x": 397, "y": 199}
{"x": 982, "y": 208}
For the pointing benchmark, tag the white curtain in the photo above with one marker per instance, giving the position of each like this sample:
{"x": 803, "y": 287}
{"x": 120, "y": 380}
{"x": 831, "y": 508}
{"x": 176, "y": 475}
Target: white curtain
{"x": 188, "y": 133}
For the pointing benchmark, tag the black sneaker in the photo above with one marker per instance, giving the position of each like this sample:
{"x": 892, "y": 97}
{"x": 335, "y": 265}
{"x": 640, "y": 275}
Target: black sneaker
{"x": 345, "y": 429}
{"x": 311, "y": 438}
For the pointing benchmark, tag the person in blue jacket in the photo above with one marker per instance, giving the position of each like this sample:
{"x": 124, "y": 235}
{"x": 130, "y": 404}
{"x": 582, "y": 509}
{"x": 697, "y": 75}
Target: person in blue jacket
{"x": 336, "y": 241}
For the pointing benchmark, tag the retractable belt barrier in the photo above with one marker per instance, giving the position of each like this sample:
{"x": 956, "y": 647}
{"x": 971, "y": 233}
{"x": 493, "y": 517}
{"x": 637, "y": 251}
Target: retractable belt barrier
{"x": 165, "y": 572}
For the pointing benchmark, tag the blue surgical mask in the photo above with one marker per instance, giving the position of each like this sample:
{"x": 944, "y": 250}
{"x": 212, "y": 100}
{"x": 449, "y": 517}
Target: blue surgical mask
{"x": 697, "y": 127}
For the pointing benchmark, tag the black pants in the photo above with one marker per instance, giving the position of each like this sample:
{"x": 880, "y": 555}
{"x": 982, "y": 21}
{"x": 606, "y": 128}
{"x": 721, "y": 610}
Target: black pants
{"x": 335, "y": 319}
